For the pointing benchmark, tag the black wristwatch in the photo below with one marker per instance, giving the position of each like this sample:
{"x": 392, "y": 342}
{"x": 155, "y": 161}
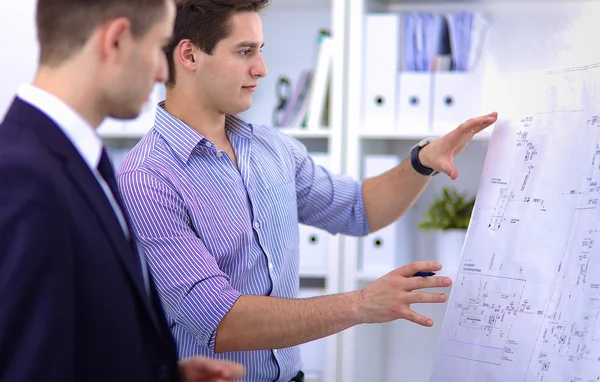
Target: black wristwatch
{"x": 416, "y": 163}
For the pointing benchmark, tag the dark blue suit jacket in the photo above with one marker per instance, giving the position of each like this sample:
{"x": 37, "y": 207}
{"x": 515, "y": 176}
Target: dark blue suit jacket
{"x": 72, "y": 300}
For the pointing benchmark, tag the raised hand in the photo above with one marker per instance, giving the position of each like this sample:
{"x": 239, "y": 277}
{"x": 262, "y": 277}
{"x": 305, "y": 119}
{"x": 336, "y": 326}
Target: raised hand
{"x": 439, "y": 154}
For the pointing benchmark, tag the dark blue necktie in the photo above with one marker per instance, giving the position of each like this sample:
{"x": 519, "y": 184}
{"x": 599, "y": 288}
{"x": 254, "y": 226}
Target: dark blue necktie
{"x": 105, "y": 169}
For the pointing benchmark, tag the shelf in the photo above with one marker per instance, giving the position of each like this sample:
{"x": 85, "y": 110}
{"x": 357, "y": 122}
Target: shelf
{"x": 307, "y": 274}
{"x": 126, "y": 129}
{"x": 299, "y": 133}
{"x": 123, "y": 134}
{"x": 493, "y": 6}
{"x": 415, "y": 136}
{"x": 137, "y": 134}
{"x": 370, "y": 276}
{"x": 439, "y": 3}
{"x": 285, "y": 5}
{"x": 395, "y": 135}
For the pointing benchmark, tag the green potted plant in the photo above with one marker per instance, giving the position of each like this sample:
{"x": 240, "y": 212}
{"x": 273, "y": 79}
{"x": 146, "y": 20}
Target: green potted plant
{"x": 448, "y": 218}
{"x": 450, "y": 211}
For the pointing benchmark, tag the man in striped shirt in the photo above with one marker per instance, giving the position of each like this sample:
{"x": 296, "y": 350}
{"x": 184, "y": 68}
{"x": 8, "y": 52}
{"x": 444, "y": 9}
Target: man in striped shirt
{"x": 216, "y": 201}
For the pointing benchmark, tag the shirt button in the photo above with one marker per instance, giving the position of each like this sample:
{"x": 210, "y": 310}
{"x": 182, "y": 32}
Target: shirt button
{"x": 271, "y": 266}
{"x": 275, "y": 351}
{"x": 219, "y": 154}
{"x": 208, "y": 144}
{"x": 257, "y": 225}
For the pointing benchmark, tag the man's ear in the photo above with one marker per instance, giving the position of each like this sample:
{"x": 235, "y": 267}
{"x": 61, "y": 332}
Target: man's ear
{"x": 185, "y": 54}
{"x": 115, "y": 39}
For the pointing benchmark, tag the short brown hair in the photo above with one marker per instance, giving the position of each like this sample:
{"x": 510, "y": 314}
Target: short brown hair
{"x": 205, "y": 23}
{"x": 64, "y": 26}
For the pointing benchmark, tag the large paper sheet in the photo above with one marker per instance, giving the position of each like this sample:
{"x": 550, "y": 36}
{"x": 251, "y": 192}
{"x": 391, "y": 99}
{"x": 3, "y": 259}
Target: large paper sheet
{"x": 525, "y": 305}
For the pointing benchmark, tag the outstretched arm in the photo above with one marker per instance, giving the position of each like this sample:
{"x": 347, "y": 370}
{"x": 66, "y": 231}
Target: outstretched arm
{"x": 389, "y": 195}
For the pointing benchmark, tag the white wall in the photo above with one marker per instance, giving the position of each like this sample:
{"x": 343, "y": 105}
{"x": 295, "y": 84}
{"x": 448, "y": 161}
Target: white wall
{"x": 529, "y": 37}
{"x": 284, "y": 56}
{"x": 19, "y": 48}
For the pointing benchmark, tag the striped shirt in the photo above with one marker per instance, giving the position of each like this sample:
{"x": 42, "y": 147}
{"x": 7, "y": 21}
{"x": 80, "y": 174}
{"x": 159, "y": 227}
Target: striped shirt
{"x": 212, "y": 233}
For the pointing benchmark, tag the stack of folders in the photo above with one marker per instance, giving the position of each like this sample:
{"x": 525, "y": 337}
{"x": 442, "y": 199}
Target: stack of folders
{"x": 314, "y": 353}
{"x": 392, "y": 246}
{"x": 314, "y": 257}
{"x": 421, "y": 78}
{"x": 314, "y": 242}
{"x": 309, "y": 103}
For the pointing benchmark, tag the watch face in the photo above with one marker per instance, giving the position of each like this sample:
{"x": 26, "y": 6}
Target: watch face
{"x": 424, "y": 142}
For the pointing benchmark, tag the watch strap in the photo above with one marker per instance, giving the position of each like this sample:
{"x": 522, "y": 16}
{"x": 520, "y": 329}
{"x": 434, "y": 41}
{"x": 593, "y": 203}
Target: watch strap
{"x": 416, "y": 163}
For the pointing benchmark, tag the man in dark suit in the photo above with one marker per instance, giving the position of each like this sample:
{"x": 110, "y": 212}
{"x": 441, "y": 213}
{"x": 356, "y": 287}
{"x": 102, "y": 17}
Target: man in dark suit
{"x": 77, "y": 301}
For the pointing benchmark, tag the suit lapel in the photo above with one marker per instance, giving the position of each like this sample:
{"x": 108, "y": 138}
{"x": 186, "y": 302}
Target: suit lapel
{"x": 87, "y": 185}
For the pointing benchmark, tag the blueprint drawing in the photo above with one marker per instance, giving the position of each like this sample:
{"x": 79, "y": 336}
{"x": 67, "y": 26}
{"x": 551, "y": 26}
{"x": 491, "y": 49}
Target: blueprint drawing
{"x": 525, "y": 305}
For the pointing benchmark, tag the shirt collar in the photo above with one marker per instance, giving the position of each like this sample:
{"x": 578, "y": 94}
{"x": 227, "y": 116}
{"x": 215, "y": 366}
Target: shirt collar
{"x": 238, "y": 125}
{"x": 81, "y": 134}
{"x": 183, "y": 139}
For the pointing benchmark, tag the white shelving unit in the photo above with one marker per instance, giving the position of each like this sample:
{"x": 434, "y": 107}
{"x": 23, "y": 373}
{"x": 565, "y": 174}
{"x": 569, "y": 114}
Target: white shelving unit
{"x": 523, "y": 35}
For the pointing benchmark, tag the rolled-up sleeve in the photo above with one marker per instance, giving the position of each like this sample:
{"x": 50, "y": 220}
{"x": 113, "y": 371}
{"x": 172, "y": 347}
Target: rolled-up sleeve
{"x": 330, "y": 202}
{"x": 194, "y": 292}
